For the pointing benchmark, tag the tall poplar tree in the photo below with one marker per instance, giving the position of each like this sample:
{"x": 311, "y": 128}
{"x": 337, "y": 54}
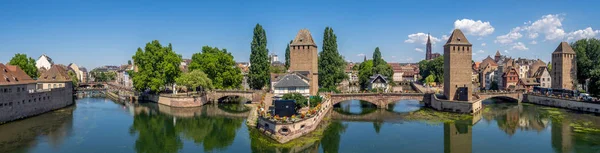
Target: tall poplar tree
{"x": 331, "y": 63}
{"x": 287, "y": 55}
{"x": 258, "y": 76}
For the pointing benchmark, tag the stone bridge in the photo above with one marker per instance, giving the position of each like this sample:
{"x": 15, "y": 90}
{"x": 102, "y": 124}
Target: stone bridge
{"x": 380, "y": 99}
{"x": 252, "y": 95}
{"x": 510, "y": 96}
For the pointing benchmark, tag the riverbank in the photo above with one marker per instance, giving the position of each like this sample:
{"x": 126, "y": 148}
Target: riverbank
{"x": 562, "y": 103}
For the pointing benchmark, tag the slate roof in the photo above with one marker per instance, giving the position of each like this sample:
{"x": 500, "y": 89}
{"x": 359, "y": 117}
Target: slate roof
{"x": 291, "y": 80}
{"x": 535, "y": 66}
{"x": 303, "y": 38}
{"x": 10, "y": 74}
{"x": 374, "y": 77}
{"x": 563, "y": 47}
{"x": 458, "y": 37}
{"x": 539, "y": 72}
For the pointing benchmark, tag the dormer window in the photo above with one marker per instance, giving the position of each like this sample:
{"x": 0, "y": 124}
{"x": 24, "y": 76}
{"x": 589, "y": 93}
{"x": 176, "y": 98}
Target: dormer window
{"x": 16, "y": 79}
{"x": 458, "y": 39}
{"x": 7, "y": 80}
{"x": 5, "y": 71}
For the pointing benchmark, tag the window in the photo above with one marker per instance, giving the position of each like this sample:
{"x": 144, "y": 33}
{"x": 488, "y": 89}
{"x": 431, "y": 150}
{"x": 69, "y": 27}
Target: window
{"x": 291, "y": 88}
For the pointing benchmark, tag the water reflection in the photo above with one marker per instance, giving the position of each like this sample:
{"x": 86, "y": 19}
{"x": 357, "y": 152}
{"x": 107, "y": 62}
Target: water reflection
{"x": 404, "y": 106}
{"x": 355, "y": 107}
{"x": 21, "y": 135}
{"x": 162, "y": 130}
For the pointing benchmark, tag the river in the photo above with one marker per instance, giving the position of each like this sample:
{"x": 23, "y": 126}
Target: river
{"x": 99, "y": 125}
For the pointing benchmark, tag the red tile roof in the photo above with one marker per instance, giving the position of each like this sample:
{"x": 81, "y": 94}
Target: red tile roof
{"x": 10, "y": 74}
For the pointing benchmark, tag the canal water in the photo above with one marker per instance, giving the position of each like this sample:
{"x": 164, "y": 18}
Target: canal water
{"x": 99, "y": 125}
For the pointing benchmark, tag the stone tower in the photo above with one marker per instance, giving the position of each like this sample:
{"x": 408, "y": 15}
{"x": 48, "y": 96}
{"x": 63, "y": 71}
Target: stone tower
{"x": 498, "y": 56}
{"x": 303, "y": 58}
{"x": 457, "y": 67}
{"x": 428, "y": 49}
{"x": 564, "y": 69}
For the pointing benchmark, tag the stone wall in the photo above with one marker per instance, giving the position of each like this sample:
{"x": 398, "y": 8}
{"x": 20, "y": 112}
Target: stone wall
{"x": 284, "y": 132}
{"x": 17, "y": 104}
{"x": 562, "y": 103}
{"x": 469, "y": 107}
{"x": 176, "y": 101}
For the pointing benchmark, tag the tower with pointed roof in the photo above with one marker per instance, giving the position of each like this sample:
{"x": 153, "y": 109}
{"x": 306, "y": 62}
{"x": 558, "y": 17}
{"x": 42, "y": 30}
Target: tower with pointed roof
{"x": 498, "y": 56}
{"x": 564, "y": 68}
{"x": 428, "y": 48}
{"x": 457, "y": 66}
{"x": 303, "y": 58}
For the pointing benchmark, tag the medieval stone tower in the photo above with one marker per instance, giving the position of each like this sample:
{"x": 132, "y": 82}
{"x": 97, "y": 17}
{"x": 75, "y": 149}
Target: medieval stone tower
{"x": 457, "y": 67}
{"x": 303, "y": 58}
{"x": 564, "y": 69}
{"x": 428, "y": 49}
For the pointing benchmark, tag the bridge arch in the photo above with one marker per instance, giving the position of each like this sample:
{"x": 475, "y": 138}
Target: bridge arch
{"x": 512, "y": 97}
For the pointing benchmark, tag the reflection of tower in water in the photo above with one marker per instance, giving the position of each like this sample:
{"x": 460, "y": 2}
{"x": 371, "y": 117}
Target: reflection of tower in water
{"x": 457, "y": 138}
{"x": 561, "y": 136}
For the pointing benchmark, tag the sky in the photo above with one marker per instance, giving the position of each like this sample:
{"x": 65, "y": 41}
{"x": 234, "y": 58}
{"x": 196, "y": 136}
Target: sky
{"x": 93, "y": 33}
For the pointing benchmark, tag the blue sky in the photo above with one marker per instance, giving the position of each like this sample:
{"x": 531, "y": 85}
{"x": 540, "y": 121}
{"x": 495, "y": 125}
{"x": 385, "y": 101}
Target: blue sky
{"x": 105, "y": 32}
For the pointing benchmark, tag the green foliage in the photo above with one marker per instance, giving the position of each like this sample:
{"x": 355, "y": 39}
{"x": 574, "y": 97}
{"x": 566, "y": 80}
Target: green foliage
{"x": 331, "y": 89}
{"x": 549, "y": 66}
{"x": 301, "y": 101}
{"x": 380, "y": 66}
{"x": 73, "y": 77}
{"x": 364, "y": 73}
{"x": 103, "y": 76}
{"x": 315, "y": 100}
{"x": 259, "y": 76}
{"x": 287, "y": 55}
{"x": 220, "y": 67}
{"x": 588, "y": 63}
{"x": 157, "y": 66}
{"x": 277, "y": 69}
{"x": 433, "y": 67}
{"x": 430, "y": 79}
{"x": 368, "y": 68}
{"x": 26, "y": 64}
{"x": 331, "y": 63}
{"x": 194, "y": 80}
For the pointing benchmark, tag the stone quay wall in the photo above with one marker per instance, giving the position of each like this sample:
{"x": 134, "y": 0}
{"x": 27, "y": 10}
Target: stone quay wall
{"x": 16, "y": 103}
{"x": 468, "y": 107}
{"x": 180, "y": 100}
{"x": 285, "y": 132}
{"x": 562, "y": 103}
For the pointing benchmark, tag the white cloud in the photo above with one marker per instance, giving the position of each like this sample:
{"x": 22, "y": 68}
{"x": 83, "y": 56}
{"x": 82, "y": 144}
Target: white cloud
{"x": 550, "y": 25}
{"x": 410, "y": 59}
{"x": 481, "y": 51}
{"x": 513, "y": 35}
{"x": 421, "y": 38}
{"x": 519, "y": 46}
{"x": 580, "y": 34}
{"x": 393, "y": 57}
{"x": 483, "y": 44}
{"x": 445, "y": 37}
{"x": 473, "y": 54}
{"x": 506, "y": 51}
{"x": 475, "y": 28}
{"x": 533, "y": 42}
{"x": 361, "y": 54}
{"x": 419, "y": 50}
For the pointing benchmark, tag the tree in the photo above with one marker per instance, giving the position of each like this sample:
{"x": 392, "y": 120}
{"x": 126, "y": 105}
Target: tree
{"x": 494, "y": 85}
{"x": 430, "y": 79}
{"x": 129, "y": 62}
{"x": 364, "y": 73}
{"x": 380, "y": 66}
{"x": 287, "y": 55}
{"x": 331, "y": 63}
{"x": 301, "y": 101}
{"x": 194, "y": 80}
{"x": 220, "y": 67}
{"x": 588, "y": 63}
{"x": 73, "y": 77}
{"x": 277, "y": 69}
{"x": 157, "y": 65}
{"x": 259, "y": 76}
{"x": 549, "y": 66}
{"x": 26, "y": 64}
{"x": 433, "y": 67}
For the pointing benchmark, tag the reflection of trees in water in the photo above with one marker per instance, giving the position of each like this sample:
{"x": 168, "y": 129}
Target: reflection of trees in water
{"x": 19, "y": 136}
{"x": 332, "y": 136}
{"x": 161, "y": 133}
{"x": 377, "y": 126}
{"x": 566, "y": 126}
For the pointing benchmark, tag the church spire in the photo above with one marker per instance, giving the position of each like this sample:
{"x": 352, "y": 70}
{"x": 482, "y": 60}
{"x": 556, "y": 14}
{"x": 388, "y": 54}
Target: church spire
{"x": 428, "y": 55}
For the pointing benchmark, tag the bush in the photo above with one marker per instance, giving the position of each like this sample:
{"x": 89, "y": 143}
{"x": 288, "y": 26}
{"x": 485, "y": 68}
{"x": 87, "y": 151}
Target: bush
{"x": 301, "y": 101}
